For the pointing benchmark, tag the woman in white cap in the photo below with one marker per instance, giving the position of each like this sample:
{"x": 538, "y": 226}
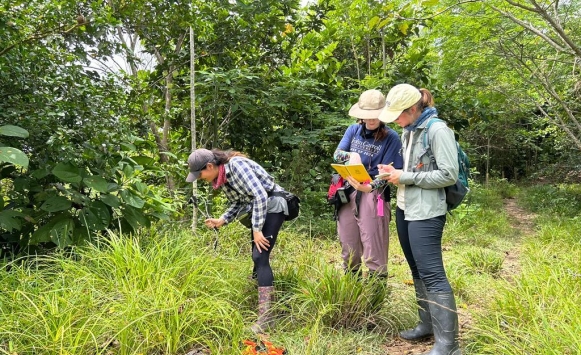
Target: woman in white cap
{"x": 245, "y": 183}
{"x": 363, "y": 222}
{"x": 421, "y": 211}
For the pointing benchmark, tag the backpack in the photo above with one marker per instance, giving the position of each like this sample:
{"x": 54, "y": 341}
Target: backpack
{"x": 338, "y": 194}
{"x": 454, "y": 193}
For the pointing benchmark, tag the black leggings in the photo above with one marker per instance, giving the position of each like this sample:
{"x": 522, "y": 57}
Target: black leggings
{"x": 262, "y": 270}
{"x": 421, "y": 242}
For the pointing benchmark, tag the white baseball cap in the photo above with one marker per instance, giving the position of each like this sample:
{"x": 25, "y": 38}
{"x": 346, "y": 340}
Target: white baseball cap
{"x": 400, "y": 98}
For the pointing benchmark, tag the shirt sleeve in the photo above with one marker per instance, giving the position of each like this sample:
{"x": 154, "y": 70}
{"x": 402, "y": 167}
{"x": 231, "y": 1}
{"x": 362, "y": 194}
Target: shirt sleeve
{"x": 233, "y": 209}
{"x": 246, "y": 181}
{"x": 342, "y": 153}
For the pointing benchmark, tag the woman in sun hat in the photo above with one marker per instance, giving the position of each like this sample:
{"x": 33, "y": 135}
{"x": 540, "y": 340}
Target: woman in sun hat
{"x": 245, "y": 183}
{"x": 363, "y": 222}
{"x": 421, "y": 211}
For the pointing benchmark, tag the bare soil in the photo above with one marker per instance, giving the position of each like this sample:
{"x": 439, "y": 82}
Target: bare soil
{"x": 522, "y": 222}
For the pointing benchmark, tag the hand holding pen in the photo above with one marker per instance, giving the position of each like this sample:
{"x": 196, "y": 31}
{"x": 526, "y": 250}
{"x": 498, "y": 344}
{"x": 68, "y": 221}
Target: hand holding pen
{"x": 391, "y": 174}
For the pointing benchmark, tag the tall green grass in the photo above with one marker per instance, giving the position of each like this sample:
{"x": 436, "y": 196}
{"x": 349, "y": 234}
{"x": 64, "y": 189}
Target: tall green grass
{"x": 538, "y": 311}
{"x": 167, "y": 291}
{"x": 124, "y": 295}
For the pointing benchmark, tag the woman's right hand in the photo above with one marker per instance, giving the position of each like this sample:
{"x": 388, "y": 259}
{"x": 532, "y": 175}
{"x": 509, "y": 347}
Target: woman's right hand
{"x": 260, "y": 241}
{"x": 214, "y": 222}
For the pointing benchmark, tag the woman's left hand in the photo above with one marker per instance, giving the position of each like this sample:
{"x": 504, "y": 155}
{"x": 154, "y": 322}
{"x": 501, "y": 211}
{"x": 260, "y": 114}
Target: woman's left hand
{"x": 394, "y": 177}
{"x": 261, "y": 242}
{"x": 359, "y": 186}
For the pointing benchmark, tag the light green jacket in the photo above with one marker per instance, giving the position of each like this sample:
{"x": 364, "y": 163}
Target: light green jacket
{"x": 425, "y": 179}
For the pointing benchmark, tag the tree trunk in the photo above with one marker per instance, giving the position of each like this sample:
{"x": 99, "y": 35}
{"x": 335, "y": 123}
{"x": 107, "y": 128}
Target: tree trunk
{"x": 193, "y": 120}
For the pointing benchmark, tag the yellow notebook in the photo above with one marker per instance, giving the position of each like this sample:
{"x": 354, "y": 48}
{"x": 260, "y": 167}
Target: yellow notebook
{"x": 356, "y": 170}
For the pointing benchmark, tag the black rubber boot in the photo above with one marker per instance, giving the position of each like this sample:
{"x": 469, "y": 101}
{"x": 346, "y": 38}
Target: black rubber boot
{"x": 444, "y": 323}
{"x": 424, "y": 327}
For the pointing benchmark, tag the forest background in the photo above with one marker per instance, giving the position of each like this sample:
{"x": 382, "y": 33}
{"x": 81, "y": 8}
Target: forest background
{"x": 102, "y": 101}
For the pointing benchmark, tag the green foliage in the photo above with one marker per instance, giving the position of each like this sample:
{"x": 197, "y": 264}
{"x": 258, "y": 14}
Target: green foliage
{"x": 9, "y": 154}
{"x": 149, "y": 294}
{"x": 538, "y": 311}
{"x": 483, "y": 261}
{"x": 85, "y": 170}
{"x": 165, "y": 291}
{"x": 341, "y": 301}
{"x": 560, "y": 199}
{"x": 70, "y": 203}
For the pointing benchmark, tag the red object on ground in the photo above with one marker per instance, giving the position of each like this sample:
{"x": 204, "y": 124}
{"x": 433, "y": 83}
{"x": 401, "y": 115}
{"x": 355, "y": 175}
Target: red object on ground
{"x": 263, "y": 347}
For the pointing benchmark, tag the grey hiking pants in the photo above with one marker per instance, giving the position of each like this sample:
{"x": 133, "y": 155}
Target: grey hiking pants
{"x": 365, "y": 238}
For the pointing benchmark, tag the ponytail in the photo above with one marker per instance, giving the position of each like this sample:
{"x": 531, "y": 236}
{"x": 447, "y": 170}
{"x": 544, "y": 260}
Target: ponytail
{"x": 427, "y": 100}
{"x": 222, "y": 157}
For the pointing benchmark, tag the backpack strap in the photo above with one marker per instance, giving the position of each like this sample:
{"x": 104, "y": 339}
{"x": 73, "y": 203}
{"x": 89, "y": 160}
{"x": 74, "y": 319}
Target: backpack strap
{"x": 426, "y": 137}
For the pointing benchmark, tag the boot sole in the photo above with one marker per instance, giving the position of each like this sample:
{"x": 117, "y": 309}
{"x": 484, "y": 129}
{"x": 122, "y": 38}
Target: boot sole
{"x": 417, "y": 339}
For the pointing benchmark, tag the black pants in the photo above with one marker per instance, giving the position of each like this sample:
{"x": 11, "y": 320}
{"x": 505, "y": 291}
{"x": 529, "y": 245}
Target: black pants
{"x": 262, "y": 270}
{"x": 421, "y": 242}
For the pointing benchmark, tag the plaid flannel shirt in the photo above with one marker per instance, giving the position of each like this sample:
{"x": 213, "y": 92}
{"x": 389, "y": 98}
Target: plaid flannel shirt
{"x": 247, "y": 183}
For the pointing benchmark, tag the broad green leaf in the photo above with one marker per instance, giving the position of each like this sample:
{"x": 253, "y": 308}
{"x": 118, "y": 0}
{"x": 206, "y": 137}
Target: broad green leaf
{"x": 403, "y": 27}
{"x": 80, "y": 236}
{"x": 67, "y": 172}
{"x": 128, "y": 147}
{"x": 110, "y": 200}
{"x": 430, "y": 2}
{"x": 13, "y": 131}
{"x": 128, "y": 170}
{"x": 96, "y": 183}
{"x": 13, "y": 156}
{"x": 134, "y": 217}
{"x": 141, "y": 187}
{"x": 96, "y": 216}
{"x": 9, "y": 220}
{"x": 144, "y": 161}
{"x": 55, "y": 204}
{"x": 160, "y": 215}
{"x": 169, "y": 154}
{"x": 374, "y": 20}
{"x": 61, "y": 232}
{"x": 62, "y": 225}
{"x": 40, "y": 173}
{"x": 131, "y": 199}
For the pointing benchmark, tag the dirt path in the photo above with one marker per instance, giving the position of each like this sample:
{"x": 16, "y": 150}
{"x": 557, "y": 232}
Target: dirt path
{"x": 522, "y": 222}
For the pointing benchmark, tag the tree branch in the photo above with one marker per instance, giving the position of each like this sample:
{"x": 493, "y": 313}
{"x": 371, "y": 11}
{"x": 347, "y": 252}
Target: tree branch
{"x": 438, "y": 13}
{"x": 525, "y": 25}
{"x": 41, "y": 36}
{"x": 557, "y": 27}
{"x": 516, "y": 4}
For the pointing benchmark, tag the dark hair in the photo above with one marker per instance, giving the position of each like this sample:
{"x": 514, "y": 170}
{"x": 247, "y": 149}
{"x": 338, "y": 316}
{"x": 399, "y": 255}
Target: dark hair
{"x": 224, "y": 156}
{"x": 381, "y": 131}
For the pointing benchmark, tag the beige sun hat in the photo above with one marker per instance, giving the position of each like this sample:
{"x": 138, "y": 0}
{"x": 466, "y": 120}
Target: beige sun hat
{"x": 400, "y": 98}
{"x": 369, "y": 106}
